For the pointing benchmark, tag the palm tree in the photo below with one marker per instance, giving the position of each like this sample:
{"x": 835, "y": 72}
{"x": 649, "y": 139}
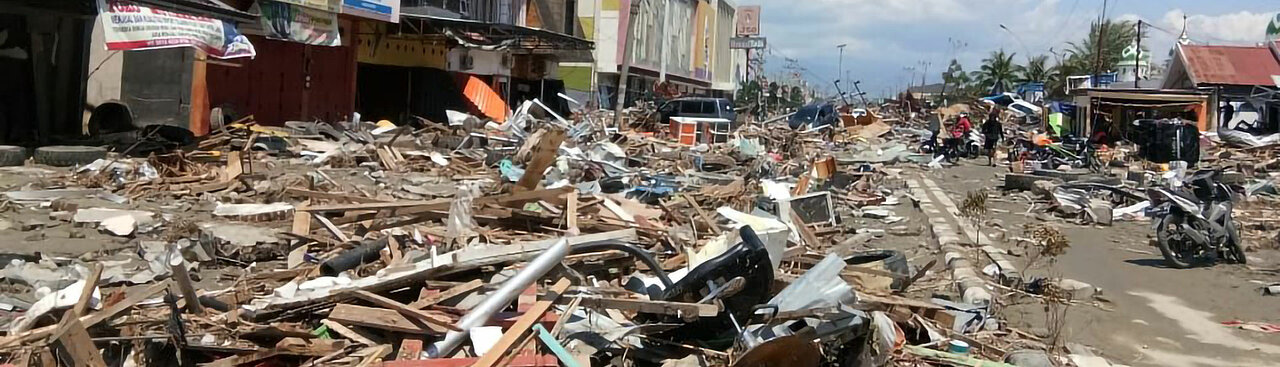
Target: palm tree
{"x": 1036, "y": 70}
{"x": 1115, "y": 36}
{"x": 997, "y": 73}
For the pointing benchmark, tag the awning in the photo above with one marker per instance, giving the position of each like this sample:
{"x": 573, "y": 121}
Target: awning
{"x": 485, "y": 99}
{"x": 493, "y": 36}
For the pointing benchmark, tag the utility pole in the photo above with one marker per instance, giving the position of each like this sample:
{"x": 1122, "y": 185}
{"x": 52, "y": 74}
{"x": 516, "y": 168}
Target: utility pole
{"x": 1137, "y": 57}
{"x": 1102, "y": 32}
{"x": 626, "y": 63}
{"x": 925, "y": 74}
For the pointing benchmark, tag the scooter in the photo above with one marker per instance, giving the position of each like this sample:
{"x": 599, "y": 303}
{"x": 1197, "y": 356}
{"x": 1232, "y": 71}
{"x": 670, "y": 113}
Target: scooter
{"x": 1193, "y": 224}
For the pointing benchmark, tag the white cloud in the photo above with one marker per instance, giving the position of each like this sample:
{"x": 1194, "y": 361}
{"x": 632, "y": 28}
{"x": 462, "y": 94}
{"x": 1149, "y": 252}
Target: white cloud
{"x": 884, "y": 36}
{"x": 1241, "y": 27}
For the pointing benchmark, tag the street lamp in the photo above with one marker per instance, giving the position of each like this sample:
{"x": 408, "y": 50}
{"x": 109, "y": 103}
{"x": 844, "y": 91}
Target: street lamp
{"x": 841, "y": 47}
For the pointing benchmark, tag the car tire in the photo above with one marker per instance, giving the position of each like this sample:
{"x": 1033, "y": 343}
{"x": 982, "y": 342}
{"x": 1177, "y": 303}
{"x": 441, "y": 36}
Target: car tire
{"x": 12, "y": 156}
{"x": 68, "y": 155}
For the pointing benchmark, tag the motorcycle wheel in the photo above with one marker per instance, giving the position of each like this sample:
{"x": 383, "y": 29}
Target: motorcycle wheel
{"x": 1237, "y": 250}
{"x": 1178, "y": 250}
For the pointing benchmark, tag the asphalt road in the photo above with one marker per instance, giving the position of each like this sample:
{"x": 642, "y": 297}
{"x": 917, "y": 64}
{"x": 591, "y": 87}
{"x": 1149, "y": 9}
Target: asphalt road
{"x": 1159, "y": 316}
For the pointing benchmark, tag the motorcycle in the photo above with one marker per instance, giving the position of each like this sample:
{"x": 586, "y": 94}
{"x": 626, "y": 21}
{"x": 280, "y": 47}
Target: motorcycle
{"x": 973, "y": 143}
{"x": 1073, "y": 152}
{"x": 1193, "y": 224}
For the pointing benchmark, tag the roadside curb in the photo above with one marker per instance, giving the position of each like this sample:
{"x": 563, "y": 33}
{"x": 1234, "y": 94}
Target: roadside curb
{"x": 966, "y": 277}
{"x": 994, "y": 254}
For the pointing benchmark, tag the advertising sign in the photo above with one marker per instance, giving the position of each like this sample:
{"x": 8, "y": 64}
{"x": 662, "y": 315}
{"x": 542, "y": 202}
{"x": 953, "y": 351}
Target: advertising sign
{"x": 748, "y": 20}
{"x": 130, "y": 26}
{"x": 299, "y": 24}
{"x": 747, "y": 43}
{"x": 332, "y": 6}
{"x": 384, "y": 10}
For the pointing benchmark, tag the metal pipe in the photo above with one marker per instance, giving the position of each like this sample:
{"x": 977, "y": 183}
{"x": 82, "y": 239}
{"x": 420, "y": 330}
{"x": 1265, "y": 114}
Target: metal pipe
{"x": 499, "y": 299}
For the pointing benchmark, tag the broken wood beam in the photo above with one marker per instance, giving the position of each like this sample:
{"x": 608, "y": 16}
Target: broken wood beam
{"x": 382, "y": 319}
{"x": 86, "y": 293}
{"x": 447, "y": 294}
{"x": 522, "y": 326}
{"x": 402, "y": 308}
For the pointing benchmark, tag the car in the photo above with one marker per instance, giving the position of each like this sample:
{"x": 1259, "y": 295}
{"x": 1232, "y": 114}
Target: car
{"x": 702, "y": 107}
{"x": 814, "y": 116}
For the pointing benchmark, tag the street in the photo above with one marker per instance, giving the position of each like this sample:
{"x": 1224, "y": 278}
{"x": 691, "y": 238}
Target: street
{"x": 1157, "y": 316}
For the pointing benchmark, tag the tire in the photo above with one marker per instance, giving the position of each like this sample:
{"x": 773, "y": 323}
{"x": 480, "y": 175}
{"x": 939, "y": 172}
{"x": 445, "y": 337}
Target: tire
{"x": 1172, "y": 258}
{"x": 68, "y": 155}
{"x": 12, "y": 156}
{"x": 1233, "y": 235}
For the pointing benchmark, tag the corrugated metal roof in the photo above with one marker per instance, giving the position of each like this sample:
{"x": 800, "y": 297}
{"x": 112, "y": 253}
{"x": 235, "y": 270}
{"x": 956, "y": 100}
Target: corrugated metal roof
{"x": 1230, "y": 65}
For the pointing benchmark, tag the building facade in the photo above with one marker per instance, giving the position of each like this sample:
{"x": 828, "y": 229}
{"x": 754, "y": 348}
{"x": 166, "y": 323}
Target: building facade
{"x": 678, "y": 47}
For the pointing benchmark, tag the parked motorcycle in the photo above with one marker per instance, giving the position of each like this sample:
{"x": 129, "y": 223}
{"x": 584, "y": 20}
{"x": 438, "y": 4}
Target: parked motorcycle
{"x": 1193, "y": 224}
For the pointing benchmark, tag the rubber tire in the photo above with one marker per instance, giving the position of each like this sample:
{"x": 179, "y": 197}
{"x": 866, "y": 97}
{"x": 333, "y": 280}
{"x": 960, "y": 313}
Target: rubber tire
{"x": 1237, "y": 251}
{"x": 1162, "y": 241}
{"x": 12, "y": 156}
{"x": 68, "y": 155}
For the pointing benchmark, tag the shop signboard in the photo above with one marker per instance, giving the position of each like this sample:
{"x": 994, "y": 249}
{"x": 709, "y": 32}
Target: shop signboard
{"x": 132, "y": 26}
{"x": 384, "y": 10}
{"x": 299, "y": 24}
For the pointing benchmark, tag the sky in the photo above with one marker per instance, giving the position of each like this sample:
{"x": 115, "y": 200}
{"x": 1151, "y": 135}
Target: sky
{"x": 885, "y": 37}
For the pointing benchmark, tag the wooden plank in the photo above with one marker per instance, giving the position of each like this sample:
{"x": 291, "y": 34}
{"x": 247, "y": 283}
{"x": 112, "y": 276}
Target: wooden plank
{"x": 347, "y": 332}
{"x": 450, "y": 293}
{"x": 544, "y": 153}
{"x": 382, "y": 319}
{"x": 86, "y": 293}
{"x": 701, "y": 214}
{"x": 443, "y": 203}
{"x": 333, "y": 229}
{"x": 571, "y": 211}
{"x": 802, "y": 185}
{"x": 330, "y": 196}
{"x": 410, "y": 350}
{"x": 517, "y": 331}
{"x": 393, "y": 247}
{"x": 806, "y": 233}
{"x": 657, "y": 307}
{"x": 402, "y": 308}
{"x": 302, "y": 227}
{"x": 76, "y": 341}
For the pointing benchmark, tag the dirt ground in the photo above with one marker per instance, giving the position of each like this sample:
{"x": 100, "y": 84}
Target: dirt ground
{"x": 1158, "y": 316}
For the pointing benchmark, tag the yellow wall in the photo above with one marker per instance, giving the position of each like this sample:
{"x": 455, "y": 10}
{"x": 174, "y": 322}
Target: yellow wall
{"x": 609, "y": 5}
{"x": 398, "y": 50}
{"x": 701, "y": 28}
{"x": 588, "y": 27}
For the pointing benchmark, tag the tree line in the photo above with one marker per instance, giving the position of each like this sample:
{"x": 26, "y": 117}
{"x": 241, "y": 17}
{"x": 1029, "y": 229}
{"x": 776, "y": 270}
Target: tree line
{"x": 1000, "y": 73}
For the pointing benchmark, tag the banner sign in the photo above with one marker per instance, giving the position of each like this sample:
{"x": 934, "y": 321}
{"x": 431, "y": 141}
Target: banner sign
{"x": 384, "y": 10}
{"x": 747, "y": 43}
{"x": 332, "y": 6}
{"x": 299, "y": 24}
{"x": 130, "y": 26}
{"x": 748, "y": 20}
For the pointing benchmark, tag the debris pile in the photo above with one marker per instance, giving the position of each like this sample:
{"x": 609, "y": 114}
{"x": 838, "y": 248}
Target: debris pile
{"x": 539, "y": 241}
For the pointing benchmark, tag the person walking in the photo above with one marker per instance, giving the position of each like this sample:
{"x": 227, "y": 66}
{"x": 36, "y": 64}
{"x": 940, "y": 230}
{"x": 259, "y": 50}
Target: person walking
{"x": 992, "y": 132}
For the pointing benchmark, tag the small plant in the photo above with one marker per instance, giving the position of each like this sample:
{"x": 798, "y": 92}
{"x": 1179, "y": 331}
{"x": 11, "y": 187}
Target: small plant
{"x": 1046, "y": 243}
{"x": 974, "y": 208}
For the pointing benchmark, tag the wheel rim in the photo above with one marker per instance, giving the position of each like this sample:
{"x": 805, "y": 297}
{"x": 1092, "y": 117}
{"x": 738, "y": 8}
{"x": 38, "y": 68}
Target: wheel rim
{"x": 1180, "y": 245}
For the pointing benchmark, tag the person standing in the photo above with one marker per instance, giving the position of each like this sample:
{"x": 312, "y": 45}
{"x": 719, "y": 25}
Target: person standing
{"x": 935, "y": 127}
{"x": 992, "y": 132}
